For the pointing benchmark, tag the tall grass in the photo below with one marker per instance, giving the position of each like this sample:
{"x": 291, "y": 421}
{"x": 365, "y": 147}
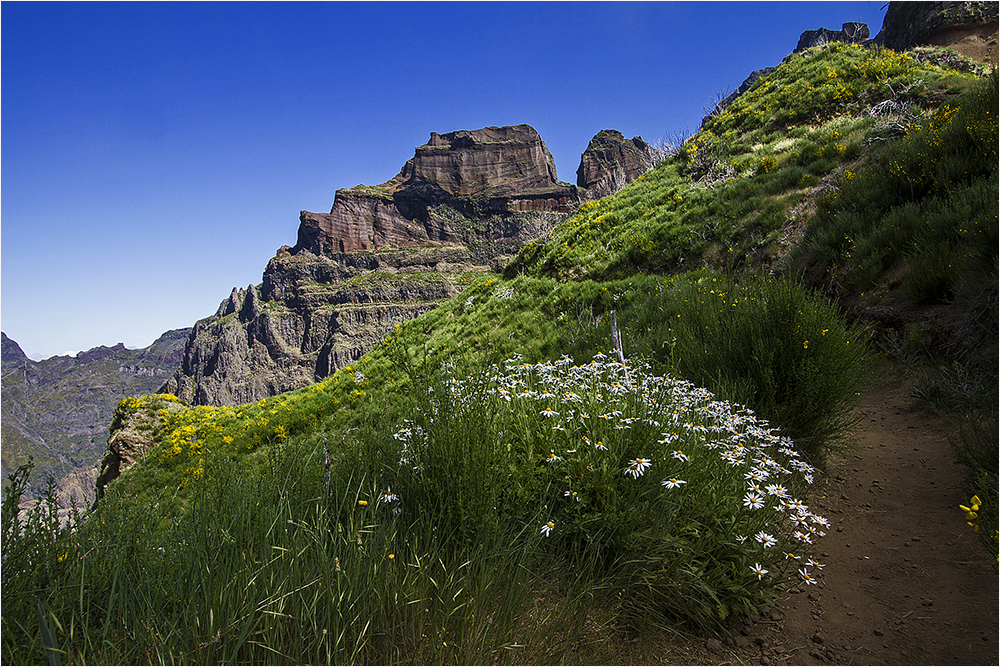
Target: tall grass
{"x": 765, "y": 342}
{"x": 483, "y": 529}
{"x": 275, "y": 570}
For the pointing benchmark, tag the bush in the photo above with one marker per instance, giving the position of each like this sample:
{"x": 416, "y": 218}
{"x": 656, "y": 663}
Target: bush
{"x": 761, "y": 341}
{"x": 645, "y": 486}
{"x": 926, "y": 201}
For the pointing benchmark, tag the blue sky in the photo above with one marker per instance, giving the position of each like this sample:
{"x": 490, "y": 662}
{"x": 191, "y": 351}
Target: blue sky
{"x": 155, "y": 155}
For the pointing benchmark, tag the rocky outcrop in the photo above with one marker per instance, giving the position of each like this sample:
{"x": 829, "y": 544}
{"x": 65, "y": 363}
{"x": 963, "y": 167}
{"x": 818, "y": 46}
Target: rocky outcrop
{"x": 311, "y": 315}
{"x": 131, "y": 435}
{"x": 57, "y": 410}
{"x": 850, "y": 33}
{"x": 909, "y": 24}
{"x": 475, "y": 174}
{"x": 611, "y": 161}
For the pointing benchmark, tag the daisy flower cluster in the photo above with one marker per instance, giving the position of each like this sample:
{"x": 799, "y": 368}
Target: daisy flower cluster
{"x": 606, "y": 432}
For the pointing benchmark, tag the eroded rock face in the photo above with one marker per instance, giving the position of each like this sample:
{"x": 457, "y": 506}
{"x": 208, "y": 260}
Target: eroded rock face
{"x": 611, "y": 161}
{"x": 909, "y": 24}
{"x": 504, "y": 161}
{"x": 385, "y": 254}
{"x": 310, "y": 316}
{"x": 494, "y": 171}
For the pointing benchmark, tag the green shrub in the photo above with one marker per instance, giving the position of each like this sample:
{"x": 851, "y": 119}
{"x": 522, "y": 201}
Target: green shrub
{"x": 926, "y": 201}
{"x": 762, "y": 341}
{"x": 636, "y": 483}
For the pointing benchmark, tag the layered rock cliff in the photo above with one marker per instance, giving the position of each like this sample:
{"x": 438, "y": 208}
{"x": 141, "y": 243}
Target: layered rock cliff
{"x": 453, "y": 181}
{"x": 388, "y": 253}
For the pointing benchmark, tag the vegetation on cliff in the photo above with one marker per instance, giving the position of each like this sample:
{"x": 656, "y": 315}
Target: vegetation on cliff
{"x": 490, "y": 485}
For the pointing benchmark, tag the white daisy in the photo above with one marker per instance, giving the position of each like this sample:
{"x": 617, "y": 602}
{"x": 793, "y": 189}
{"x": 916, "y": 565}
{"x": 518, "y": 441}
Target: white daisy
{"x": 637, "y": 467}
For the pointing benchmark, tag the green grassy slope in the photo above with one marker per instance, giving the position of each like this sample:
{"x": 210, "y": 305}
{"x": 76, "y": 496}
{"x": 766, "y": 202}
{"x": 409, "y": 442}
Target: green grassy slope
{"x": 825, "y": 130}
{"x": 737, "y": 192}
{"x": 476, "y": 488}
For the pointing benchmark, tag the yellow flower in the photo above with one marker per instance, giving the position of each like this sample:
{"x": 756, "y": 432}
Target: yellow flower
{"x": 971, "y": 512}
{"x": 362, "y": 502}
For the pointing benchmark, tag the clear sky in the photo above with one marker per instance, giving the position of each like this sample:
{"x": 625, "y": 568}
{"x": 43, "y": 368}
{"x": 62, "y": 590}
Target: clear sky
{"x": 155, "y": 155}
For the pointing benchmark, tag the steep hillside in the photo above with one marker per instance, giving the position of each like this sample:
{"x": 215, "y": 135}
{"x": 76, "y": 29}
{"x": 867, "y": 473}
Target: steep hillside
{"x": 617, "y": 439}
{"x": 740, "y": 192}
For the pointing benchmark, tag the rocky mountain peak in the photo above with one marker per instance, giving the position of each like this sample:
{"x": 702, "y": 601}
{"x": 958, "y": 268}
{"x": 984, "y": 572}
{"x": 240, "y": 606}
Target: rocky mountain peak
{"x": 465, "y": 175}
{"x": 389, "y": 252}
{"x": 10, "y": 351}
{"x": 232, "y": 304}
{"x": 502, "y": 161}
{"x": 611, "y": 161}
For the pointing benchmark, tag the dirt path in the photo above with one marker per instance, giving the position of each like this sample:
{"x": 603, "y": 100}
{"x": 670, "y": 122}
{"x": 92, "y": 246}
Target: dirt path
{"x": 905, "y": 581}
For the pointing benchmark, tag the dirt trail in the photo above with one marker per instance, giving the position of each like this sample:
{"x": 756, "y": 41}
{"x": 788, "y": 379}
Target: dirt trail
{"x": 905, "y": 581}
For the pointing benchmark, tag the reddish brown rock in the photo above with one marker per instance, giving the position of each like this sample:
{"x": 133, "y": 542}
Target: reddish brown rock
{"x": 357, "y": 223}
{"x": 494, "y": 171}
{"x": 503, "y": 161}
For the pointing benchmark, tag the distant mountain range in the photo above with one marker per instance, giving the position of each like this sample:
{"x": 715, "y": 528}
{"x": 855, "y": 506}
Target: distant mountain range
{"x": 57, "y": 410}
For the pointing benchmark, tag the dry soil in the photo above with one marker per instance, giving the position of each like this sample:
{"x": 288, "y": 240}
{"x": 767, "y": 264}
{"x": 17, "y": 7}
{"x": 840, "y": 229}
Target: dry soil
{"x": 906, "y": 581}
